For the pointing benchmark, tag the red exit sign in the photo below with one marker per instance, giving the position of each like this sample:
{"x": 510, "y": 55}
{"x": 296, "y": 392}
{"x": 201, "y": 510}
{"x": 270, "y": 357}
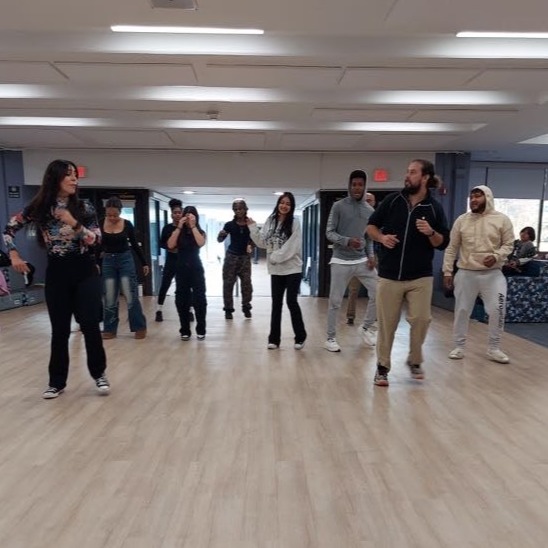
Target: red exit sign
{"x": 380, "y": 175}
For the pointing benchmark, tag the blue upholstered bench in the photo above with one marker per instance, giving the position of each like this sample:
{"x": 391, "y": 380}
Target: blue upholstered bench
{"x": 527, "y": 298}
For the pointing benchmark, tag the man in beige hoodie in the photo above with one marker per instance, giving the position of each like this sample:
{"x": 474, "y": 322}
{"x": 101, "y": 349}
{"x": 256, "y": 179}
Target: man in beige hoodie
{"x": 483, "y": 239}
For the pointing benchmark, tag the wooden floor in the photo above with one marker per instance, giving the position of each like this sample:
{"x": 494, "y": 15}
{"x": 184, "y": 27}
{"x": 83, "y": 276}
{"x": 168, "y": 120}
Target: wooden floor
{"x": 223, "y": 443}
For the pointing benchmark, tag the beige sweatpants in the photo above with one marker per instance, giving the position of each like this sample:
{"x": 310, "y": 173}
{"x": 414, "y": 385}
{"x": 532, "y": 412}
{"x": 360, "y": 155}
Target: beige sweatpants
{"x": 391, "y": 295}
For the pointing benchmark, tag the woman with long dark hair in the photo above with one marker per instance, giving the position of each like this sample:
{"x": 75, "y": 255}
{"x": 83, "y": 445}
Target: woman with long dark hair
{"x": 119, "y": 273}
{"x": 68, "y": 229}
{"x": 281, "y": 237}
{"x": 188, "y": 237}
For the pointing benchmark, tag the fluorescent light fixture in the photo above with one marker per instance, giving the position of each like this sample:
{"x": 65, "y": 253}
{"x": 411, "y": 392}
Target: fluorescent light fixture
{"x": 243, "y": 125}
{"x": 49, "y": 121}
{"x": 204, "y": 94}
{"x": 227, "y": 125}
{"x": 22, "y": 91}
{"x": 189, "y": 192}
{"x": 183, "y": 30}
{"x": 278, "y": 193}
{"x": 464, "y": 97}
{"x": 473, "y": 34}
{"x": 407, "y": 127}
{"x": 540, "y": 140}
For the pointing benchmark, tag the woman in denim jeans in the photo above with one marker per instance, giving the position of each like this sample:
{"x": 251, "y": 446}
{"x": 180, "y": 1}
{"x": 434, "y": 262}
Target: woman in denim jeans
{"x": 118, "y": 268}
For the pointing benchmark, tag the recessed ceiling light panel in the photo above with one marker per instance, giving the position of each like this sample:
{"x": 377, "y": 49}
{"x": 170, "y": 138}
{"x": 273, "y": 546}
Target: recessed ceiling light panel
{"x": 183, "y": 30}
{"x": 473, "y": 34}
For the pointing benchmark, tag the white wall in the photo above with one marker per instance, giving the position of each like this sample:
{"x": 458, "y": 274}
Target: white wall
{"x": 152, "y": 169}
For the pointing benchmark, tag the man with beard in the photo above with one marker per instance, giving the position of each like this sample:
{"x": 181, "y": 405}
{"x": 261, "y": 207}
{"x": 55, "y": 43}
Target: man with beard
{"x": 409, "y": 225}
{"x": 483, "y": 239}
{"x": 237, "y": 260}
{"x": 353, "y": 256}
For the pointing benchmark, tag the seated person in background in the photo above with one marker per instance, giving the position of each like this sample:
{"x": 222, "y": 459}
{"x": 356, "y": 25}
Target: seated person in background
{"x": 524, "y": 250}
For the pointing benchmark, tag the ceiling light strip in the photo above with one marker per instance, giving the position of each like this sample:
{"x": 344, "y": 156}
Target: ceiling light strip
{"x": 242, "y": 125}
{"x": 183, "y": 30}
{"x": 474, "y": 34}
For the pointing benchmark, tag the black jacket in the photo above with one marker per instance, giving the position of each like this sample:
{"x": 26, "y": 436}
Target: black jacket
{"x": 412, "y": 257}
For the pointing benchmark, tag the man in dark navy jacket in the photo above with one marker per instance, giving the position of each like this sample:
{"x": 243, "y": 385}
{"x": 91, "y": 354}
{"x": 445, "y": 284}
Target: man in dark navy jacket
{"x": 409, "y": 225}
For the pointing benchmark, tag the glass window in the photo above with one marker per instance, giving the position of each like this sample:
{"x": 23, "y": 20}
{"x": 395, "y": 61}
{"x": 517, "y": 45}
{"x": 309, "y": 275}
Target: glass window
{"x": 524, "y": 213}
{"x": 543, "y": 237}
{"x": 129, "y": 214}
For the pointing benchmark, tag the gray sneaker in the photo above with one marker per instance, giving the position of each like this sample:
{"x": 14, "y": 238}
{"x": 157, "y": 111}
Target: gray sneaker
{"x": 102, "y": 384}
{"x": 52, "y": 392}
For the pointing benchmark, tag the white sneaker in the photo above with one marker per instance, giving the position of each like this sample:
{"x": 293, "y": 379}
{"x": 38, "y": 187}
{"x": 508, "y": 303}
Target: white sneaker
{"x": 369, "y": 337}
{"x": 299, "y": 346}
{"x": 456, "y": 354}
{"x": 497, "y": 355}
{"x": 51, "y": 392}
{"x": 271, "y": 346}
{"x": 102, "y": 384}
{"x": 332, "y": 345}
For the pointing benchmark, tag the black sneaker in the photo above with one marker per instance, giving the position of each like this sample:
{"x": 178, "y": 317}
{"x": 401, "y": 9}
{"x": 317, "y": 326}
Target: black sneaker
{"x": 381, "y": 376}
{"x": 159, "y": 316}
{"x": 228, "y": 315}
{"x": 52, "y": 392}
{"x": 416, "y": 371}
{"x": 247, "y": 313}
{"x": 102, "y": 384}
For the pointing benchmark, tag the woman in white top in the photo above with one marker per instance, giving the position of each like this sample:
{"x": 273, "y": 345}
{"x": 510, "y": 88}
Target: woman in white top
{"x": 281, "y": 237}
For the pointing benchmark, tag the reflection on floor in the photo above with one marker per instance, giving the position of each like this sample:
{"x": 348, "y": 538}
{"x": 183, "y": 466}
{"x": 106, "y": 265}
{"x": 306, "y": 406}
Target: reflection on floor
{"x": 259, "y": 277}
{"x": 534, "y": 332}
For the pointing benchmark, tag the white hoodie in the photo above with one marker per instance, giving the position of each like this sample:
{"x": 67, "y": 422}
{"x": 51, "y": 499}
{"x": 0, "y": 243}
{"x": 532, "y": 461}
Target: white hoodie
{"x": 284, "y": 255}
{"x": 475, "y": 236}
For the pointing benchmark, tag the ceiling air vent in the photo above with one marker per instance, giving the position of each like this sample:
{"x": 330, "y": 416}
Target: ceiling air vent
{"x": 175, "y": 4}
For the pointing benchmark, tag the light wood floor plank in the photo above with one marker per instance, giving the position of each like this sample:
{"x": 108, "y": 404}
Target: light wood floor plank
{"x": 223, "y": 443}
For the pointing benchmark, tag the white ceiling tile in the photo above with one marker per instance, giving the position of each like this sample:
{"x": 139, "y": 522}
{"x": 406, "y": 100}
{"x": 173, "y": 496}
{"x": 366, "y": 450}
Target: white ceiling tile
{"x": 515, "y": 79}
{"x": 401, "y": 143}
{"x": 145, "y": 74}
{"x": 124, "y": 138}
{"x": 361, "y": 115}
{"x": 15, "y": 72}
{"x": 318, "y": 141}
{"x": 460, "y": 115}
{"x": 38, "y": 138}
{"x": 219, "y": 140}
{"x": 278, "y": 76}
{"x": 406, "y": 78}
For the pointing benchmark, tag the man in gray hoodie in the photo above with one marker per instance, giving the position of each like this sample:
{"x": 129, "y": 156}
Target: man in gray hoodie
{"x": 482, "y": 238}
{"x": 353, "y": 255}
